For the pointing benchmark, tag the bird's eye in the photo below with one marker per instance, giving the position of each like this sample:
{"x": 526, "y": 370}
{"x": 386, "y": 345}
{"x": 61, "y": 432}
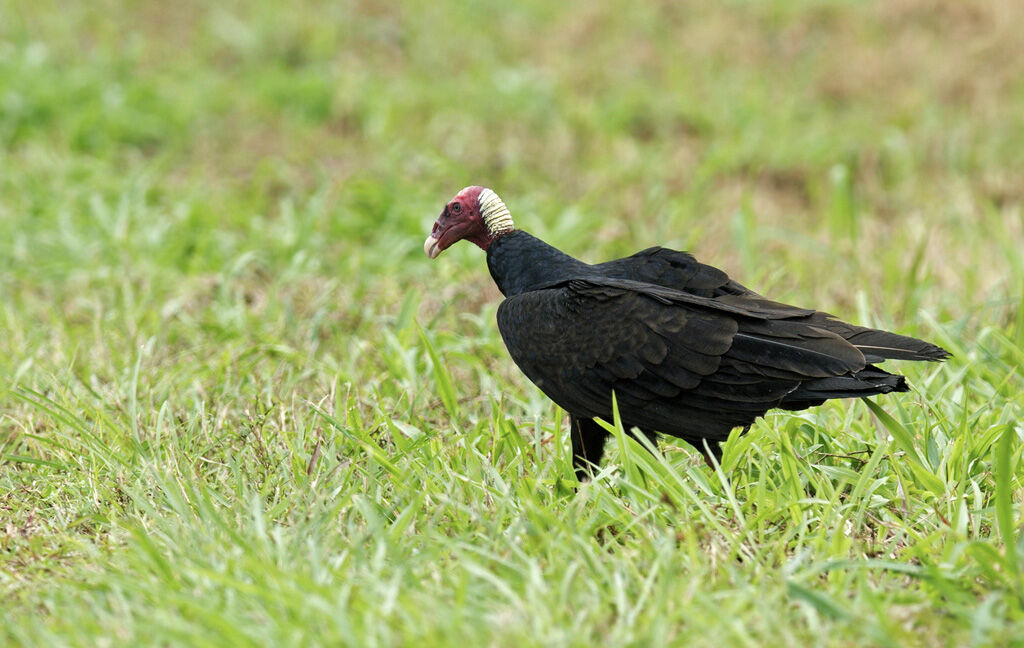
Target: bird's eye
{"x": 456, "y": 207}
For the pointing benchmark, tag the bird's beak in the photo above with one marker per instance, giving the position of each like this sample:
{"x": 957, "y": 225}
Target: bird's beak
{"x": 430, "y": 246}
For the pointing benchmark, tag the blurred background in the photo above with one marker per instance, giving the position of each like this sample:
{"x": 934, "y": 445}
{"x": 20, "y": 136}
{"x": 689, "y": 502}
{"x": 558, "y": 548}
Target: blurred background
{"x": 811, "y": 148}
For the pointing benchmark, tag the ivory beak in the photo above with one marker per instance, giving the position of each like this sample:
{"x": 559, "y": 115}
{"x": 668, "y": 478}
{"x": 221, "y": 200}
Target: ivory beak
{"x": 430, "y": 247}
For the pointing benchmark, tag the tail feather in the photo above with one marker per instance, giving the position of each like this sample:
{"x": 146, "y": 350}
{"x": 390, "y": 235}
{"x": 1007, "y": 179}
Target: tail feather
{"x": 869, "y": 381}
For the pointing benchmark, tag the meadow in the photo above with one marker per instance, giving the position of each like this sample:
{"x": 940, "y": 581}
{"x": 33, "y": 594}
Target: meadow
{"x": 242, "y": 408}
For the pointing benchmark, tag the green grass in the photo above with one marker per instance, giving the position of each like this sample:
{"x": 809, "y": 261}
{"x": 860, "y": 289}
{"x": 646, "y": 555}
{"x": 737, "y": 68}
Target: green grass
{"x": 242, "y": 408}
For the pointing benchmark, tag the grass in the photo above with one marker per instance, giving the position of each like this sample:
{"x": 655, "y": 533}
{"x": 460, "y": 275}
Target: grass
{"x": 242, "y": 408}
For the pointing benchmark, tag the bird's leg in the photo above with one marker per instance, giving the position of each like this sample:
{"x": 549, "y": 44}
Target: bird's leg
{"x": 587, "y": 445}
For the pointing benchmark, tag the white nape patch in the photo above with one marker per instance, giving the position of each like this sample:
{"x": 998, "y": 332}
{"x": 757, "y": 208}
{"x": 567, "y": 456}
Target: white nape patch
{"x": 496, "y": 216}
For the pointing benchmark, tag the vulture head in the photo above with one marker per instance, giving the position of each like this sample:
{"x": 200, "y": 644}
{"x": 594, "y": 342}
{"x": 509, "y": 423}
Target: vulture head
{"x": 475, "y": 214}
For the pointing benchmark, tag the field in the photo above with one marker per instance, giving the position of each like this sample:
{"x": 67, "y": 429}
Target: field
{"x": 241, "y": 406}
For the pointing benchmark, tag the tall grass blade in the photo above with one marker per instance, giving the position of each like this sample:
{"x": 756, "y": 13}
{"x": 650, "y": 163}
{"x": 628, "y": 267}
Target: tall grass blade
{"x": 1005, "y": 516}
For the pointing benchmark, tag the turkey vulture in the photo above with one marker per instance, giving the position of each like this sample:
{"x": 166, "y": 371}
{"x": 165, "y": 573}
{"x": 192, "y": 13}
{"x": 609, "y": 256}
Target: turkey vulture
{"x": 687, "y": 351}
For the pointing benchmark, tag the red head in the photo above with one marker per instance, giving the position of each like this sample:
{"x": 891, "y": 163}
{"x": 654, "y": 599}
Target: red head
{"x": 475, "y": 214}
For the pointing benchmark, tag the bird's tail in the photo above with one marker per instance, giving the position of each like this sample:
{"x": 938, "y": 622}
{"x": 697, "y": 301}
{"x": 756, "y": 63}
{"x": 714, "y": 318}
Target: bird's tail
{"x": 867, "y": 382}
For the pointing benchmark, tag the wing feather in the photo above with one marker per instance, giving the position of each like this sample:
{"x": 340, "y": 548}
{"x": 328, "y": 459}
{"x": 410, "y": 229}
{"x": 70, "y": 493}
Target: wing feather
{"x": 678, "y": 363}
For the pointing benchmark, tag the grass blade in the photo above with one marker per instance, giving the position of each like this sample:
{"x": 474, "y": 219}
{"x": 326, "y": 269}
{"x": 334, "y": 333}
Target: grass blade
{"x": 1004, "y": 455}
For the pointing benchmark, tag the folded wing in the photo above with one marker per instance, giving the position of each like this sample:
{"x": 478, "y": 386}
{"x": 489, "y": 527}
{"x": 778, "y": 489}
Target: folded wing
{"x": 679, "y": 363}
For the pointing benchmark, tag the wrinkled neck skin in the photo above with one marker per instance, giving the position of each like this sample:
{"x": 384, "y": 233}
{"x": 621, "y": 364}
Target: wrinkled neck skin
{"x": 520, "y": 263}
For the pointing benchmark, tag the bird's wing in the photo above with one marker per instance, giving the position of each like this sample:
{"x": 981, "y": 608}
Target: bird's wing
{"x": 673, "y": 269}
{"x": 681, "y": 271}
{"x": 678, "y": 363}
{"x": 878, "y": 345}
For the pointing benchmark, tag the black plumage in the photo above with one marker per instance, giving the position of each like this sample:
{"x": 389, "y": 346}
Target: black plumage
{"x": 687, "y": 351}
